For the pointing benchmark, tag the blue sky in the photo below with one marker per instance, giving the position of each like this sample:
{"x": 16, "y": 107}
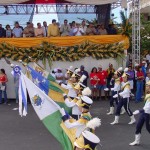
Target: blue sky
{"x": 7, "y": 19}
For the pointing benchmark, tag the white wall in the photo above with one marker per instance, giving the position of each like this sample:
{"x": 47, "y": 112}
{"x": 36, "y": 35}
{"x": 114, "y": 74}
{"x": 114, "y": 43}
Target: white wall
{"x": 88, "y": 62}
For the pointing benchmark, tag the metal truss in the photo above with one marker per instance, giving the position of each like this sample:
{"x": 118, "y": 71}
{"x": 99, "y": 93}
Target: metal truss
{"x": 25, "y": 9}
{"x": 118, "y": 4}
{"x": 136, "y": 31}
{"x": 47, "y": 9}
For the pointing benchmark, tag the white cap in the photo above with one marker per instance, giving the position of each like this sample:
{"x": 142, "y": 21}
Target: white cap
{"x": 55, "y": 70}
{"x": 143, "y": 62}
{"x": 90, "y": 139}
{"x": 126, "y": 69}
{"x": 86, "y": 102}
{"x": 120, "y": 69}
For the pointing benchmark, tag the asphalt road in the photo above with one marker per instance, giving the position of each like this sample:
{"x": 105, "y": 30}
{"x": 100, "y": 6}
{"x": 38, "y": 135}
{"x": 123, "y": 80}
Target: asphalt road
{"x": 28, "y": 133}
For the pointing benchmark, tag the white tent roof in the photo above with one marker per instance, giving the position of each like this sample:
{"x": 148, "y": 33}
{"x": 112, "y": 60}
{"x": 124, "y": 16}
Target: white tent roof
{"x": 12, "y": 1}
{"x": 93, "y": 2}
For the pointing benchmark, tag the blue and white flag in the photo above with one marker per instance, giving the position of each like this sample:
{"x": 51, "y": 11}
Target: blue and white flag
{"x": 22, "y": 96}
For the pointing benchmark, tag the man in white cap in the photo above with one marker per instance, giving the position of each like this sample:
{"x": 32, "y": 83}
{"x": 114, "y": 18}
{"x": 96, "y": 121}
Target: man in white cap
{"x": 87, "y": 141}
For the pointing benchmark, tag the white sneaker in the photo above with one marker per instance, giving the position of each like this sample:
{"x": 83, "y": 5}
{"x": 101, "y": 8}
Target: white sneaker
{"x": 115, "y": 96}
{"x": 106, "y": 89}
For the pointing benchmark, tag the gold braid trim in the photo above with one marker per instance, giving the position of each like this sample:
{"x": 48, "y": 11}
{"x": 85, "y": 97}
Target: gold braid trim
{"x": 126, "y": 86}
{"x": 147, "y": 98}
{"x": 83, "y": 121}
{"x": 88, "y": 146}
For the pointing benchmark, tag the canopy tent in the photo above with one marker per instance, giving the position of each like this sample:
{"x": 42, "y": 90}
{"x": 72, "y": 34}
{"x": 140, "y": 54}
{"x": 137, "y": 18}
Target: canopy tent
{"x": 6, "y": 2}
{"x": 12, "y": 2}
{"x": 93, "y": 2}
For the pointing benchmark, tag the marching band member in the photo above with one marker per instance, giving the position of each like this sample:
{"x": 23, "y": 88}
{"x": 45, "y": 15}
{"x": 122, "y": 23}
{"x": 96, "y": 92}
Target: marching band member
{"x": 144, "y": 117}
{"x": 84, "y": 106}
{"x": 78, "y": 88}
{"x": 124, "y": 101}
{"x": 74, "y": 77}
{"x": 68, "y": 74}
{"x": 115, "y": 91}
{"x": 87, "y": 141}
{"x": 131, "y": 77}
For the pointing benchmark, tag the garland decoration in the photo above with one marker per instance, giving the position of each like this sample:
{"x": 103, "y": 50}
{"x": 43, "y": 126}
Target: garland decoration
{"x": 49, "y": 52}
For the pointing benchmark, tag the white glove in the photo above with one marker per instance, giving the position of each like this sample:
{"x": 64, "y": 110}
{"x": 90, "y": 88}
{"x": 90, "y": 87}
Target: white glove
{"x": 58, "y": 81}
{"x": 115, "y": 96}
{"x": 64, "y": 94}
{"x": 112, "y": 89}
{"x": 136, "y": 112}
{"x": 62, "y": 111}
{"x": 120, "y": 94}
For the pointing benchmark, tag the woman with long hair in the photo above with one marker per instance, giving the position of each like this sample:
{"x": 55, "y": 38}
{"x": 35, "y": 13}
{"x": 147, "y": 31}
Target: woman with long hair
{"x": 139, "y": 84}
{"x": 3, "y": 80}
{"x": 93, "y": 82}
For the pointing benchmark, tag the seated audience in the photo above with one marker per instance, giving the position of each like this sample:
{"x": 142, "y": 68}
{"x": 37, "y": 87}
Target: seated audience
{"x": 65, "y": 28}
{"x": 2, "y": 31}
{"x": 8, "y": 31}
{"x": 28, "y": 30}
{"x": 78, "y": 31}
{"x": 91, "y": 30}
{"x": 53, "y": 29}
{"x": 39, "y": 31}
{"x": 17, "y": 31}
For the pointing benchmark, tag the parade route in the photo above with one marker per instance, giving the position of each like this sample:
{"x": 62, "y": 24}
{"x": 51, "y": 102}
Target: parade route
{"x": 28, "y": 133}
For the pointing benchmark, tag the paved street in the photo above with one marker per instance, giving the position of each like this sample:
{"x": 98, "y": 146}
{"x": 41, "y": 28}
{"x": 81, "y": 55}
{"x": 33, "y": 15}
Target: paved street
{"x": 28, "y": 133}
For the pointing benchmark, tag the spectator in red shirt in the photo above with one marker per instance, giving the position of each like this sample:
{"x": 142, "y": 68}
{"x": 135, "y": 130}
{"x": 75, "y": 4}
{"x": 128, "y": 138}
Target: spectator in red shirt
{"x": 94, "y": 82}
{"x": 3, "y": 80}
{"x": 102, "y": 75}
{"x": 139, "y": 84}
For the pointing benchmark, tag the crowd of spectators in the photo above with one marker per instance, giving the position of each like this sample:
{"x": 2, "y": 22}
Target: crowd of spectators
{"x": 98, "y": 79}
{"x": 55, "y": 30}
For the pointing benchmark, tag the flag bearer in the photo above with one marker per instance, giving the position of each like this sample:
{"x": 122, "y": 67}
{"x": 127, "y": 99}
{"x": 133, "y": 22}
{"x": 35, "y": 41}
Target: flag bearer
{"x": 144, "y": 117}
{"x": 124, "y": 101}
{"x": 80, "y": 125}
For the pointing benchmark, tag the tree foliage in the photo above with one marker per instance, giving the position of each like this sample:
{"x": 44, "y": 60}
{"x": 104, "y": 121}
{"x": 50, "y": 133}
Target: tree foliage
{"x": 145, "y": 34}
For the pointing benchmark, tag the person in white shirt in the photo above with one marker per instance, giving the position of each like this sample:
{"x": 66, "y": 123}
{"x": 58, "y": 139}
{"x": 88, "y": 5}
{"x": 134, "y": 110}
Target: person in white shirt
{"x": 84, "y": 26}
{"x": 17, "y": 31}
{"x": 148, "y": 57}
{"x": 78, "y": 31}
{"x": 147, "y": 77}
